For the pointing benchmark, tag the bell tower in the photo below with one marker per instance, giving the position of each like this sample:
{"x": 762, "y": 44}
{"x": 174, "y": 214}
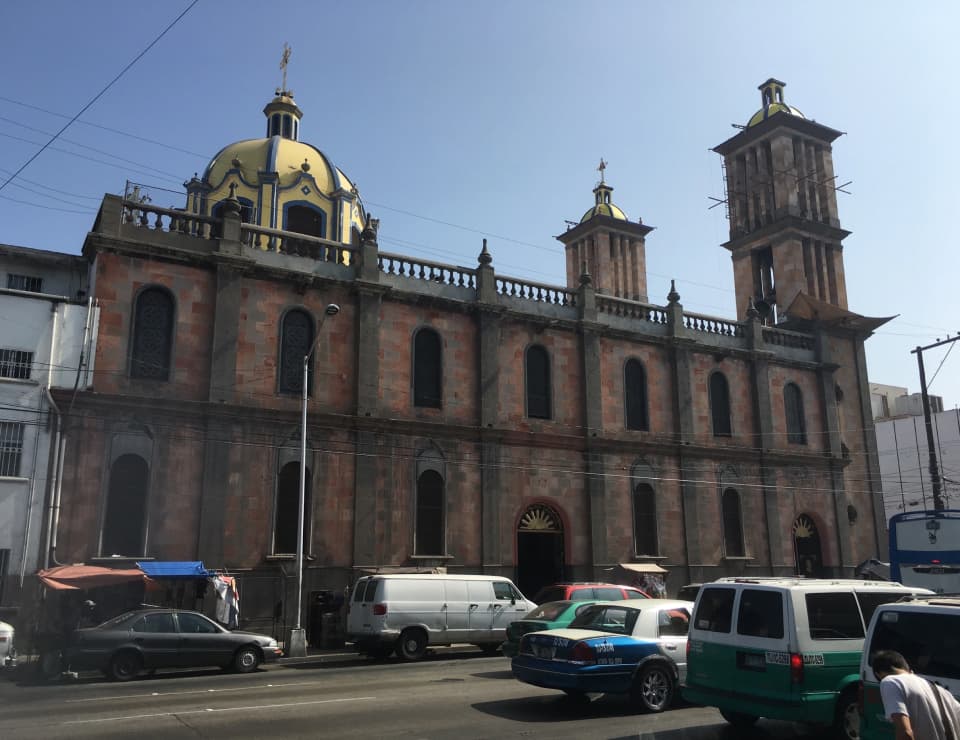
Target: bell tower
{"x": 785, "y": 234}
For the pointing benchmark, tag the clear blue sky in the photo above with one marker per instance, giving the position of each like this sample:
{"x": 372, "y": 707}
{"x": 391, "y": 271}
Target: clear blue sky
{"x": 492, "y": 117}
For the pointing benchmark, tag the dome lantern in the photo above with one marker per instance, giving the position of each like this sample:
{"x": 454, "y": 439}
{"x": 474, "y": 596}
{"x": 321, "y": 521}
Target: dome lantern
{"x": 771, "y": 99}
{"x": 283, "y": 115}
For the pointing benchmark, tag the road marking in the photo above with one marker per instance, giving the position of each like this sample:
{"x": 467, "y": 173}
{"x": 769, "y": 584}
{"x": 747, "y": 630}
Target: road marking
{"x": 223, "y": 709}
{"x": 118, "y": 697}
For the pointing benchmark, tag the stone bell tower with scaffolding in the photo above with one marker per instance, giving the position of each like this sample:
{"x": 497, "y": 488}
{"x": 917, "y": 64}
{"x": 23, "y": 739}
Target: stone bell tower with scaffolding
{"x": 781, "y": 197}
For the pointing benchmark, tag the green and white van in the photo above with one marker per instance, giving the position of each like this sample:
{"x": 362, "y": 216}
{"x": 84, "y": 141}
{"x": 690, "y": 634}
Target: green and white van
{"x": 926, "y": 631}
{"x": 783, "y": 648}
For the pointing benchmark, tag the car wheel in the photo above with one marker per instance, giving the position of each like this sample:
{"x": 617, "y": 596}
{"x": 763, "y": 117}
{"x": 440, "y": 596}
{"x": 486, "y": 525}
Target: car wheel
{"x": 653, "y": 687}
{"x": 246, "y": 660}
{"x": 125, "y": 666}
{"x": 412, "y": 645}
{"x": 490, "y": 648}
{"x": 738, "y": 719}
{"x": 846, "y": 725}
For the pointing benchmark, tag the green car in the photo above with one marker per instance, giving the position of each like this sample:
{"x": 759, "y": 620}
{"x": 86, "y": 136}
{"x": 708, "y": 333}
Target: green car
{"x": 550, "y": 616}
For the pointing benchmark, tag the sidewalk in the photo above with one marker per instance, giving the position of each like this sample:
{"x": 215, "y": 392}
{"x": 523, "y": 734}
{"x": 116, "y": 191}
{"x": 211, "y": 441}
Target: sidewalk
{"x": 347, "y": 654}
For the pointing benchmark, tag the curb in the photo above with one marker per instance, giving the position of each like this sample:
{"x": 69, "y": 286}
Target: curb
{"x": 347, "y": 656}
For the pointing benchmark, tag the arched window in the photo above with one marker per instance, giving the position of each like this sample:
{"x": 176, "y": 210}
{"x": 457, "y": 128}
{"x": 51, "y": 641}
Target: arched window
{"x": 645, "y": 520}
{"x": 246, "y": 216}
{"x": 296, "y": 336}
{"x": 305, "y": 219}
{"x": 538, "y": 382}
{"x": 427, "y": 369}
{"x": 732, "y": 524}
{"x": 275, "y": 124}
{"x": 287, "y": 127}
{"x": 152, "y": 335}
{"x": 720, "y": 405}
{"x": 288, "y": 510}
{"x": 635, "y": 392}
{"x": 429, "y": 534}
{"x": 793, "y": 411}
{"x": 125, "y": 520}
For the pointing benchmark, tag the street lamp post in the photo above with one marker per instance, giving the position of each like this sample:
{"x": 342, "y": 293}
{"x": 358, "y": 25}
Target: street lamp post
{"x": 297, "y": 641}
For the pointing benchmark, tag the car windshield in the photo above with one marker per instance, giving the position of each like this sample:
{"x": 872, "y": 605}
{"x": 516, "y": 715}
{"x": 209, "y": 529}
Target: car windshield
{"x": 115, "y": 621}
{"x": 618, "y": 619}
{"x": 549, "y": 612}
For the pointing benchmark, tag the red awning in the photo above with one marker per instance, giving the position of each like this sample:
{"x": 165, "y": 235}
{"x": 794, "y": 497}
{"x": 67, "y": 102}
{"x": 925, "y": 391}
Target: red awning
{"x": 77, "y": 577}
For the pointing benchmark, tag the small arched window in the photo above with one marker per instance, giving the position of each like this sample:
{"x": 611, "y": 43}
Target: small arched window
{"x": 125, "y": 519}
{"x": 304, "y": 219}
{"x": 287, "y": 127}
{"x": 793, "y": 411}
{"x": 635, "y": 392}
{"x": 538, "y": 382}
{"x": 645, "y": 520}
{"x": 288, "y": 510}
{"x": 152, "y": 335}
{"x": 275, "y": 124}
{"x": 732, "y": 524}
{"x": 427, "y": 369}
{"x": 720, "y": 405}
{"x": 429, "y": 532}
{"x": 296, "y": 336}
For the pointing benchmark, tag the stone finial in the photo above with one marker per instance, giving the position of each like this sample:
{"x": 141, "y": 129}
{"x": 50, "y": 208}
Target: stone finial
{"x": 370, "y": 229}
{"x": 752, "y": 313}
{"x": 305, "y": 166}
{"x": 673, "y": 296}
{"x": 585, "y": 278}
{"x": 231, "y": 205}
{"x": 485, "y": 258}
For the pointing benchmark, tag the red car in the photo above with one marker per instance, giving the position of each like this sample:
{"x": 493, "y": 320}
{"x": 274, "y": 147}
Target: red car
{"x": 587, "y": 592}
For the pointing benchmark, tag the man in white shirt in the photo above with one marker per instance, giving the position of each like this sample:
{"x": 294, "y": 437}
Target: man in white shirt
{"x": 919, "y": 709}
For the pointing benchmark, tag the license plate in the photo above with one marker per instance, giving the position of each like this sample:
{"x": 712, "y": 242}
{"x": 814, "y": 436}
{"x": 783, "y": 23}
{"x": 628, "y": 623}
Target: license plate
{"x": 544, "y": 651}
{"x": 751, "y": 660}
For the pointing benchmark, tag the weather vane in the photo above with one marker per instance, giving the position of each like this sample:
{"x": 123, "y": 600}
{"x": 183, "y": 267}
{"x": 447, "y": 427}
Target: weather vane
{"x": 284, "y": 61}
{"x": 601, "y": 168}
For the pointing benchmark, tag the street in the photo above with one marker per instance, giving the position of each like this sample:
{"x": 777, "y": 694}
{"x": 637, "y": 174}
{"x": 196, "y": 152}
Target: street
{"x": 451, "y": 695}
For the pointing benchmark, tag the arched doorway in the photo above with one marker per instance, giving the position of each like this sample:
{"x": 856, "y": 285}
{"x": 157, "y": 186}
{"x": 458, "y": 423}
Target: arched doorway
{"x": 540, "y": 559}
{"x": 806, "y": 545}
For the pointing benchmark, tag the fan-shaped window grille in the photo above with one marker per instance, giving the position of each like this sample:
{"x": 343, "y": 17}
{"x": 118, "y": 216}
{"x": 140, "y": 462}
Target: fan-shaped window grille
{"x": 152, "y": 335}
{"x": 720, "y": 405}
{"x": 296, "y": 336}
{"x": 540, "y": 518}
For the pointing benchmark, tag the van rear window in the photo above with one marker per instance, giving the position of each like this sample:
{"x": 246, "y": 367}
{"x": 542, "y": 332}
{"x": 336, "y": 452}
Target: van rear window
{"x": 834, "y": 616}
{"x": 870, "y": 600}
{"x": 370, "y": 593}
{"x": 929, "y": 642}
{"x": 715, "y": 610}
{"x": 358, "y": 591}
{"x": 761, "y": 613}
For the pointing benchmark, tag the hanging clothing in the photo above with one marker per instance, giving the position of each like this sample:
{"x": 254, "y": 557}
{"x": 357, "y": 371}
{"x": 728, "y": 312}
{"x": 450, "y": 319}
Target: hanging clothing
{"x": 228, "y": 601}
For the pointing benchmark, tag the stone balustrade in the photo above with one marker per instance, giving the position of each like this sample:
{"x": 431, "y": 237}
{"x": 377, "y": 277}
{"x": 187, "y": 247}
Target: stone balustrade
{"x": 631, "y": 309}
{"x": 787, "y": 338}
{"x": 712, "y": 325}
{"x": 538, "y": 292}
{"x": 300, "y": 245}
{"x": 172, "y": 220}
{"x": 420, "y": 269}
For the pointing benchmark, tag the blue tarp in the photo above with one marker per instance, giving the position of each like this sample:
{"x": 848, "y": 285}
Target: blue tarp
{"x": 174, "y": 569}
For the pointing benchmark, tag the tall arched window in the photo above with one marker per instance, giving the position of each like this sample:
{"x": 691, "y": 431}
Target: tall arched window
{"x": 793, "y": 411}
{"x": 720, "y": 405}
{"x": 152, "y": 341}
{"x": 732, "y": 524}
{"x": 305, "y": 219}
{"x": 296, "y": 336}
{"x": 538, "y": 382}
{"x": 125, "y": 520}
{"x": 288, "y": 510}
{"x": 635, "y": 392}
{"x": 429, "y": 532}
{"x": 645, "y": 537}
{"x": 427, "y": 369}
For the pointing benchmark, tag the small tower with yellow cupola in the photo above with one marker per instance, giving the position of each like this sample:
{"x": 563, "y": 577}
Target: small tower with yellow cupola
{"x": 606, "y": 244}
{"x": 281, "y": 182}
{"x": 785, "y": 234}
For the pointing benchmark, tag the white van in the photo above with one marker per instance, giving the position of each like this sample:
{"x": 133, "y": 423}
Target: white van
{"x": 410, "y": 612}
{"x": 783, "y": 648}
{"x": 926, "y": 631}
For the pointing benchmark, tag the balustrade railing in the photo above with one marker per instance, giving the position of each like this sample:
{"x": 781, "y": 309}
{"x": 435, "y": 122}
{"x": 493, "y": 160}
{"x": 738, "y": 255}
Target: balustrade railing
{"x": 420, "y": 269}
{"x": 631, "y": 309}
{"x": 300, "y": 245}
{"x": 170, "y": 220}
{"x": 787, "y": 338}
{"x": 539, "y": 292}
{"x": 712, "y": 325}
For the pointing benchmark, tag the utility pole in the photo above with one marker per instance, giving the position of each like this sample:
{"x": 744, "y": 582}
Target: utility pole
{"x": 938, "y": 504}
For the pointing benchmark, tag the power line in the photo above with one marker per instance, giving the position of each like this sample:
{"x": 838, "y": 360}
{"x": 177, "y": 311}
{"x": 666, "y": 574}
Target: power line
{"x": 99, "y": 95}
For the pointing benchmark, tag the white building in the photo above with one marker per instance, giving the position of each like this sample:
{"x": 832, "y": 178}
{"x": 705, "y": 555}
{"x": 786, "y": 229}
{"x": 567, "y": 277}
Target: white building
{"x": 48, "y": 327}
{"x": 903, "y": 451}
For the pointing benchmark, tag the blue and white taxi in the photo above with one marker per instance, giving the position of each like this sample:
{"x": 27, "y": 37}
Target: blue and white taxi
{"x": 635, "y": 647}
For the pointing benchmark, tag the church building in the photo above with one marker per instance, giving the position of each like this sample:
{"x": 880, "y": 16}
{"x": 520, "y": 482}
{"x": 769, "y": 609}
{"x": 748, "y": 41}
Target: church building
{"x": 460, "y": 418}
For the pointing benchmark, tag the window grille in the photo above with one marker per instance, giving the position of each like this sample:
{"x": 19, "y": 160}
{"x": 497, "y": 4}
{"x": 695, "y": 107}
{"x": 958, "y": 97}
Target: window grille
{"x": 635, "y": 392}
{"x": 538, "y": 383}
{"x": 296, "y": 336}
{"x": 429, "y": 535}
{"x": 793, "y": 410}
{"x": 11, "y": 448}
{"x": 152, "y": 335}
{"x": 15, "y": 363}
{"x": 645, "y": 520}
{"x": 732, "y": 524}
{"x": 25, "y": 282}
{"x": 427, "y": 369}
{"x": 720, "y": 405}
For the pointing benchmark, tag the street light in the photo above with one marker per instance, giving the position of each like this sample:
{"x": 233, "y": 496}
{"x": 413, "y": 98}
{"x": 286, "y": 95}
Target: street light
{"x": 297, "y": 643}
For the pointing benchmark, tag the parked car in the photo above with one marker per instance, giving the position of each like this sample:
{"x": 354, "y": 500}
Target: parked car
{"x": 635, "y": 647}
{"x": 550, "y": 616}
{"x": 165, "y": 638}
{"x": 926, "y": 631}
{"x": 409, "y": 612}
{"x": 8, "y": 655}
{"x": 587, "y": 592}
{"x": 783, "y": 648}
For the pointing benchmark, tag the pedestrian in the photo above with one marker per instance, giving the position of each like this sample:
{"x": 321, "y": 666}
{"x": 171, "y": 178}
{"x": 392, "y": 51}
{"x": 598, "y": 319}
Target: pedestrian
{"x": 918, "y": 708}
